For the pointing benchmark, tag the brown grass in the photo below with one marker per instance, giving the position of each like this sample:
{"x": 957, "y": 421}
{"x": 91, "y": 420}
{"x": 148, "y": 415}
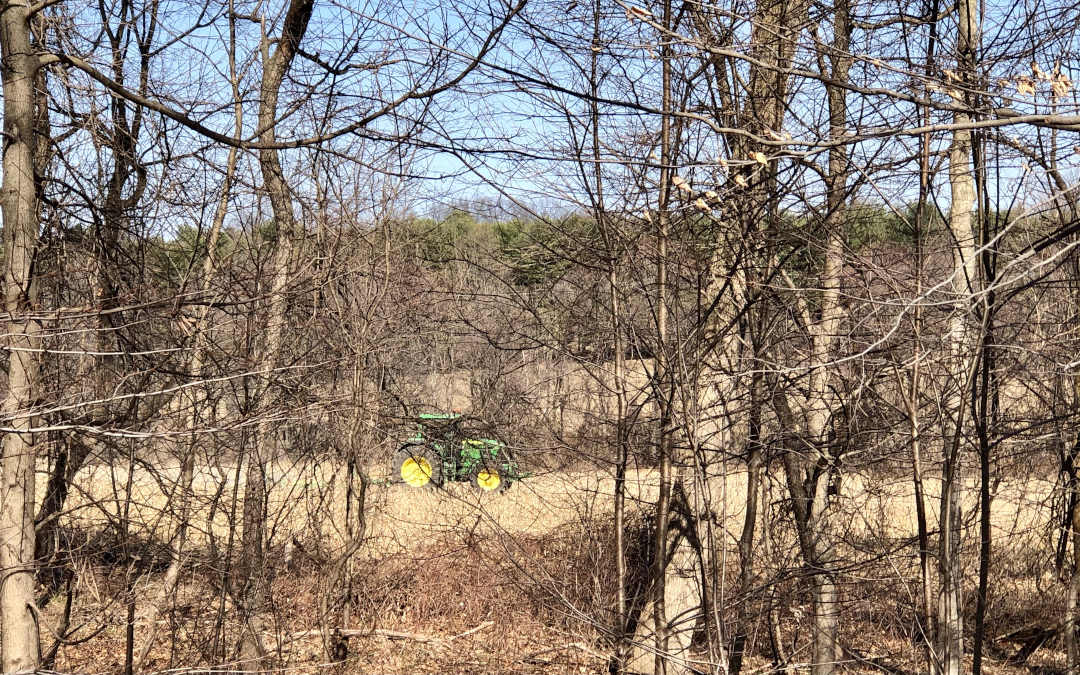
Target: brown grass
{"x": 536, "y": 562}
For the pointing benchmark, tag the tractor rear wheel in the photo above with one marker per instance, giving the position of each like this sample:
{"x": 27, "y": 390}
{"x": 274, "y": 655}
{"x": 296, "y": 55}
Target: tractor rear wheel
{"x": 489, "y": 479}
{"x": 418, "y": 466}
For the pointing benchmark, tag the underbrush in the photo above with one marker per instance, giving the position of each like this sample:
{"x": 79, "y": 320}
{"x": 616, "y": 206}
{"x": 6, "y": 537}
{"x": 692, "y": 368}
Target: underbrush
{"x": 528, "y": 604}
{"x": 447, "y": 582}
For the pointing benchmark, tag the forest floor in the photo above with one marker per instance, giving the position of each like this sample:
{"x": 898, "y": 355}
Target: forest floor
{"x": 450, "y": 581}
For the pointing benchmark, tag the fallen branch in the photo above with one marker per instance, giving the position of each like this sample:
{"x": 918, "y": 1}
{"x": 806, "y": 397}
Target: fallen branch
{"x": 392, "y": 634}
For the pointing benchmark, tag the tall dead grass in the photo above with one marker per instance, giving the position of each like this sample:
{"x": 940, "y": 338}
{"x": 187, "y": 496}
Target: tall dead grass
{"x": 535, "y": 562}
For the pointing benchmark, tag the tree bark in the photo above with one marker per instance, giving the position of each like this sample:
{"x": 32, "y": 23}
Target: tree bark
{"x": 754, "y": 456}
{"x": 964, "y": 269}
{"x": 822, "y": 404}
{"x": 662, "y": 370}
{"x": 1072, "y": 648}
{"x": 253, "y": 564}
{"x": 18, "y": 70}
{"x": 984, "y": 405}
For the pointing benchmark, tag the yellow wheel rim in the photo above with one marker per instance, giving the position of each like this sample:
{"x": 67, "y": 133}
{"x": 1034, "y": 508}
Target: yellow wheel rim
{"x": 488, "y": 480}
{"x": 416, "y": 471}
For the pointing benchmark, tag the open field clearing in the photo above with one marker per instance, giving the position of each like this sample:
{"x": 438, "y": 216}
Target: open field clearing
{"x": 448, "y": 580}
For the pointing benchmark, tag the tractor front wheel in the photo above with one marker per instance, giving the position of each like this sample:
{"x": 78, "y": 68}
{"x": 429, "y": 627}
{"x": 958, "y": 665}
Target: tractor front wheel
{"x": 418, "y": 466}
{"x": 489, "y": 479}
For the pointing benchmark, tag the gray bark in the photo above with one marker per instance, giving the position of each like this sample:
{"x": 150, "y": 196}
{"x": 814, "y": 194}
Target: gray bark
{"x": 962, "y": 186}
{"x": 253, "y": 564}
{"x": 18, "y": 71}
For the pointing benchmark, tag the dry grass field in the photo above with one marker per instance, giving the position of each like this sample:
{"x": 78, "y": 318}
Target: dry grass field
{"x": 447, "y": 580}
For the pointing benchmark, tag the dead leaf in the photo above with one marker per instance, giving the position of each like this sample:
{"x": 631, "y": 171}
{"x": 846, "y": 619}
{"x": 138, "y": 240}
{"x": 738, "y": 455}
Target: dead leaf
{"x": 760, "y": 158}
{"x": 1061, "y": 85}
{"x": 740, "y": 180}
{"x": 680, "y": 182}
{"x": 1024, "y": 86}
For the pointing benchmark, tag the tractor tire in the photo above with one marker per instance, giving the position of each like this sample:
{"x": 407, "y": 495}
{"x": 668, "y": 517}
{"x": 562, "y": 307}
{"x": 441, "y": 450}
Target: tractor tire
{"x": 489, "y": 479}
{"x": 418, "y": 466}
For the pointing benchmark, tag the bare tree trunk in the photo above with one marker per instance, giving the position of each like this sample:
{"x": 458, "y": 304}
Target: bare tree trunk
{"x": 950, "y": 601}
{"x": 662, "y": 374}
{"x": 985, "y": 394}
{"x": 809, "y": 488}
{"x": 746, "y": 538}
{"x": 950, "y": 608}
{"x": 195, "y": 400}
{"x": 675, "y": 575}
{"x": 612, "y": 253}
{"x": 18, "y": 70}
{"x": 826, "y": 621}
{"x": 1071, "y": 610}
{"x": 71, "y": 451}
{"x": 1069, "y": 464}
{"x": 253, "y": 564}
{"x": 920, "y": 512}
{"x": 621, "y": 459}
{"x": 911, "y": 399}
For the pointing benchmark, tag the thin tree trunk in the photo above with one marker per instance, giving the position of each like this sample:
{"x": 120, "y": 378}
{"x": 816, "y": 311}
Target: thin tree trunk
{"x": 826, "y": 620}
{"x": 618, "y": 375}
{"x": 1072, "y": 620}
{"x": 275, "y": 68}
{"x": 663, "y": 503}
{"x": 950, "y": 609}
{"x": 809, "y": 487}
{"x": 20, "y": 651}
{"x": 920, "y": 517}
{"x": 194, "y": 401}
{"x": 746, "y": 538}
{"x": 984, "y": 521}
{"x": 912, "y": 397}
{"x": 985, "y": 407}
{"x": 71, "y": 450}
{"x": 950, "y": 603}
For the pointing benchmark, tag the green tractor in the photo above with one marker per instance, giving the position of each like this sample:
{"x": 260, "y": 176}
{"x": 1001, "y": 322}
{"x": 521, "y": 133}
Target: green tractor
{"x": 439, "y": 451}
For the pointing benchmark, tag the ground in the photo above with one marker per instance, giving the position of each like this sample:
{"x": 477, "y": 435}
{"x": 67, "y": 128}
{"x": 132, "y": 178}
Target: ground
{"x": 451, "y": 581}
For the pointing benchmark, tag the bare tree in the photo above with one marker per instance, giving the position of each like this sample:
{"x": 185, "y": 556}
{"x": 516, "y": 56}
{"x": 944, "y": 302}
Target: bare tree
{"x": 21, "y": 651}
